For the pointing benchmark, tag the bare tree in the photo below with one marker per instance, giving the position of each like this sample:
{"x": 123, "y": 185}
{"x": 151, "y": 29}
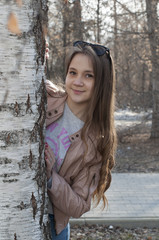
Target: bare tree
{"x": 77, "y": 21}
{"x": 98, "y": 22}
{"x": 22, "y": 120}
{"x": 65, "y": 27}
{"x": 153, "y": 33}
{"x": 115, "y": 39}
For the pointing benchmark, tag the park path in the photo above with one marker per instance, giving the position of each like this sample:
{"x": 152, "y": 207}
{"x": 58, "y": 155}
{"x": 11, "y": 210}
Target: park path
{"x": 133, "y": 202}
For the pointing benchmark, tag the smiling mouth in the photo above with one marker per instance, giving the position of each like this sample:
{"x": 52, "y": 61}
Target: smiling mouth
{"x": 77, "y": 91}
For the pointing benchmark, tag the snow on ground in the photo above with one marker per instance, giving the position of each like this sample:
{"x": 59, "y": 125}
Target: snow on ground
{"x": 126, "y": 118}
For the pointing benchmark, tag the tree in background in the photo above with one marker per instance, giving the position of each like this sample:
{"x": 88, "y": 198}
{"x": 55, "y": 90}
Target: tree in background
{"x": 65, "y": 27}
{"x": 153, "y": 34}
{"x": 77, "y": 28}
{"x": 98, "y": 22}
{"x": 22, "y": 118}
{"x": 131, "y": 58}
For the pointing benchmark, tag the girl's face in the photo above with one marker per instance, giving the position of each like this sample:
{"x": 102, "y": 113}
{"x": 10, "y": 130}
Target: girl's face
{"x": 80, "y": 81}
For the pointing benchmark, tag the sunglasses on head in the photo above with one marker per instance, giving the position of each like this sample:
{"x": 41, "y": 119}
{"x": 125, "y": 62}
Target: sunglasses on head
{"x": 99, "y": 49}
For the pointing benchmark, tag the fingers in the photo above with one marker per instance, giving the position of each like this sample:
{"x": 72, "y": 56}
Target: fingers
{"x": 48, "y": 164}
{"x": 47, "y": 51}
{"x": 49, "y": 153}
{"x": 47, "y": 44}
{"x": 49, "y": 156}
{"x": 49, "y": 159}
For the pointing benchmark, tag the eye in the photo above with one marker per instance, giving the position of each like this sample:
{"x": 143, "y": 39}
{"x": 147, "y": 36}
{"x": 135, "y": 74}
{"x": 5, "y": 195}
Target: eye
{"x": 72, "y": 72}
{"x": 88, "y": 75}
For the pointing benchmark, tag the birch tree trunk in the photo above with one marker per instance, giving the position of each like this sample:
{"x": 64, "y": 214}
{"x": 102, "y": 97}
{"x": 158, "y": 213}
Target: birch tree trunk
{"x": 22, "y": 120}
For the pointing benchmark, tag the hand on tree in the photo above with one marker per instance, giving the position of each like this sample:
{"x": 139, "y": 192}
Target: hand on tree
{"x": 49, "y": 159}
{"x": 47, "y": 51}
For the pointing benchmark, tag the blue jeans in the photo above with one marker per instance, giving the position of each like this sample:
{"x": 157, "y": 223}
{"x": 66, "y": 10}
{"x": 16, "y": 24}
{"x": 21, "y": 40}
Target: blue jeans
{"x": 64, "y": 235}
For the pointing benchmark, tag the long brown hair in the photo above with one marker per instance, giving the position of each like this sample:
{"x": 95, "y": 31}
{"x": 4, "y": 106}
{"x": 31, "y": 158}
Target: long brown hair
{"x": 100, "y": 115}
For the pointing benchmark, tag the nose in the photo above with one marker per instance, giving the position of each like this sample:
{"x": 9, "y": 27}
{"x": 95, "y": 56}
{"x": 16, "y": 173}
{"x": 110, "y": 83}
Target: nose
{"x": 78, "y": 81}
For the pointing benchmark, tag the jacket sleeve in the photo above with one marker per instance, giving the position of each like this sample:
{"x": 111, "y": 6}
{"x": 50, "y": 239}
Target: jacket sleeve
{"x": 74, "y": 200}
{"x": 52, "y": 89}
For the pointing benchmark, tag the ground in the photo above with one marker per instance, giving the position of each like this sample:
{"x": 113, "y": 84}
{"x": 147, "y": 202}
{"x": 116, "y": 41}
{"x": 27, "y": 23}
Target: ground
{"x": 97, "y": 232}
{"x": 136, "y": 152}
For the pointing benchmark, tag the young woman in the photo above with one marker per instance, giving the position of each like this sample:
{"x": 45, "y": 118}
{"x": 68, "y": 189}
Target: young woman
{"x": 80, "y": 135}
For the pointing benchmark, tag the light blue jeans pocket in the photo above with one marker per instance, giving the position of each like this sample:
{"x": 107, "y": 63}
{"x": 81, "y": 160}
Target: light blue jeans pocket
{"x": 64, "y": 235}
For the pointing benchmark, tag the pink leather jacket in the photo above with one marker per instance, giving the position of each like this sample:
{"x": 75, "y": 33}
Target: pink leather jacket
{"x": 73, "y": 187}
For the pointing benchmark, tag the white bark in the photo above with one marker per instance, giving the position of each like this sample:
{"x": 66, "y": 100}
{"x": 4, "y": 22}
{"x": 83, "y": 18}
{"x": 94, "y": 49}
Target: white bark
{"x": 22, "y": 120}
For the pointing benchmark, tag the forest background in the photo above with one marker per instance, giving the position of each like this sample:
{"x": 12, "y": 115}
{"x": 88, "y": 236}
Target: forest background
{"x": 131, "y": 30}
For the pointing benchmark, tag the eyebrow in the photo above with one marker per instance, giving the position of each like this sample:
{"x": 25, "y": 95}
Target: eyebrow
{"x": 87, "y": 71}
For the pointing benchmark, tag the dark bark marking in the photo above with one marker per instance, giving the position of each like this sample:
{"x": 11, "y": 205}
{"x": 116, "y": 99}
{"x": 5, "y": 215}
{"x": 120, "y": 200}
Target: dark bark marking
{"x": 30, "y": 159}
{"x": 28, "y": 162}
{"x": 9, "y": 175}
{"x": 15, "y": 137}
{"x": 10, "y": 180}
{"x": 34, "y": 205}
{"x": 28, "y": 104}
{"x": 15, "y": 236}
{"x": 8, "y": 139}
{"x": 16, "y": 108}
{"x": 5, "y": 161}
{"x": 22, "y": 206}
